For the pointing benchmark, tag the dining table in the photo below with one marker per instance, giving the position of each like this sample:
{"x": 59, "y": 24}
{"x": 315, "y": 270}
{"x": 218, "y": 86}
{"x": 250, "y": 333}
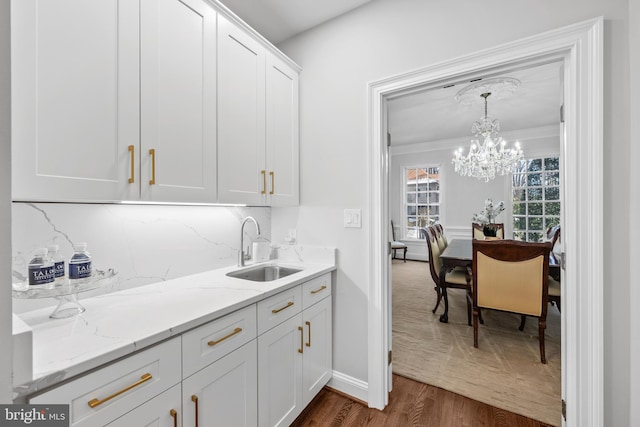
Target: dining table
{"x": 459, "y": 253}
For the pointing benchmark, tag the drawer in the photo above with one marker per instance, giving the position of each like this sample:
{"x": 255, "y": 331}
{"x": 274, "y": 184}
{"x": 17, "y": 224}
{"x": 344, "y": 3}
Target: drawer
{"x": 118, "y": 388}
{"x": 278, "y": 308}
{"x": 316, "y": 289}
{"x": 208, "y": 343}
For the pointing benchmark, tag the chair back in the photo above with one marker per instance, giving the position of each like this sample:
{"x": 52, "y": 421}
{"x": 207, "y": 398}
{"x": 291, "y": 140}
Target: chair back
{"x": 434, "y": 254}
{"x": 511, "y": 276}
{"x": 393, "y": 232}
{"x": 553, "y": 234}
{"x": 477, "y": 231}
{"x": 442, "y": 238}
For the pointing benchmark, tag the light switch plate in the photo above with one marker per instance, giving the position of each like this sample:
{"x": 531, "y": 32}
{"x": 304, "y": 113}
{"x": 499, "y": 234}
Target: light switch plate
{"x": 353, "y": 218}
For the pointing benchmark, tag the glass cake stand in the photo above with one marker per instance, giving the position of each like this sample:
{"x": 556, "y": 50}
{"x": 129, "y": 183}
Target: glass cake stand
{"x": 66, "y": 294}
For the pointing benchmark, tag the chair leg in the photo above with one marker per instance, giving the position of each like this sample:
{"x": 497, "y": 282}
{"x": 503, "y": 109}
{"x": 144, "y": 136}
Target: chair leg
{"x": 542, "y": 325}
{"x": 523, "y": 319}
{"x": 469, "y": 308}
{"x": 475, "y": 328}
{"x": 394, "y": 254}
{"x": 405, "y": 254}
{"x": 437, "y": 289}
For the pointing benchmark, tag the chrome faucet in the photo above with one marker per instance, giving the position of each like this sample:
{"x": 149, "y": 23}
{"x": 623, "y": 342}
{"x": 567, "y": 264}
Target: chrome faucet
{"x": 241, "y": 254}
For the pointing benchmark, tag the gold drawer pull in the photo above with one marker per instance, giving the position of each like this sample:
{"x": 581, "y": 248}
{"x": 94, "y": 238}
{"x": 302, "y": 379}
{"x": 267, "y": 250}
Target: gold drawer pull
{"x": 214, "y": 342}
{"x": 308, "y": 344}
{"x": 278, "y": 310}
{"x": 320, "y": 289}
{"x": 174, "y": 414}
{"x": 133, "y": 168}
{"x": 273, "y": 182}
{"x": 194, "y": 399}
{"x": 264, "y": 182}
{"x": 152, "y": 152}
{"x": 300, "y": 350}
{"x": 95, "y": 402}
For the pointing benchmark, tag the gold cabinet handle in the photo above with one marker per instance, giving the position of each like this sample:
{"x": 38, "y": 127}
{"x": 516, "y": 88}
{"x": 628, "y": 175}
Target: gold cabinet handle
{"x": 174, "y": 414}
{"x": 308, "y": 344}
{"x": 214, "y": 342}
{"x": 152, "y": 153}
{"x": 273, "y": 182}
{"x": 278, "y": 310}
{"x": 132, "y": 156}
{"x": 194, "y": 399}
{"x": 95, "y": 402}
{"x": 264, "y": 182}
{"x": 320, "y": 289}
{"x": 300, "y": 350}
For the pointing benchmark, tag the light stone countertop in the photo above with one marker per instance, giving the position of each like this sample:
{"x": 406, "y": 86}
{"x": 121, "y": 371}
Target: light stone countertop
{"x": 119, "y": 323}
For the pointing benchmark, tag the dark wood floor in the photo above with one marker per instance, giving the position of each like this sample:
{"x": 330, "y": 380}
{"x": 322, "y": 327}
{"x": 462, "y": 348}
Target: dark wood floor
{"x": 410, "y": 404}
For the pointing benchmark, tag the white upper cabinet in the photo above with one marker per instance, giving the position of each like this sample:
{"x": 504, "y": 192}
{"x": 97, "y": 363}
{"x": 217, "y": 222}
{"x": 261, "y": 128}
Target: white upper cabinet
{"x": 241, "y": 116}
{"x": 257, "y": 122}
{"x": 75, "y": 99}
{"x": 282, "y": 133}
{"x": 178, "y": 100}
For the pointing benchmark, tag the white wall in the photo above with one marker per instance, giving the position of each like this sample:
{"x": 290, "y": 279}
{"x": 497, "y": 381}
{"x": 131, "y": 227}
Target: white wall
{"x": 390, "y": 37}
{"x": 6, "y": 355}
{"x": 143, "y": 244}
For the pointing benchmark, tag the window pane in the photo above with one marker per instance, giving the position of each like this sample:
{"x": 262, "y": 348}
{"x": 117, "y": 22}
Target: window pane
{"x": 551, "y": 221}
{"x": 534, "y": 193}
{"x": 519, "y": 195}
{"x": 519, "y": 223}
{"x": 534, "y": 237}
{"x": 551, "y": 178}
{"x": 535, "y": 223}
{"x": 534, "y": 179}
{"x": 411, "y": 198}
{"x": 434, "y": 186}
{"x": 411, "y": 221}
{"x": 552, "y": 208}
{"x": 552, "y": 163}
{"x": 411, "y": 210}
{"x": 535, "y": 209}
{"x": 535, "y": 165}
{"x": 423, "y": 198}
{"x": 552, "y": 193}
{"x": 519, "y": 235}
{"x": 519, "y": 208}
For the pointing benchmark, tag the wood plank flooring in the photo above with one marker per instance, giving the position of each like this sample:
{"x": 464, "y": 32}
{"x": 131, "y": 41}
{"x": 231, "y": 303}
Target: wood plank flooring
{"x": 411, "y": 404}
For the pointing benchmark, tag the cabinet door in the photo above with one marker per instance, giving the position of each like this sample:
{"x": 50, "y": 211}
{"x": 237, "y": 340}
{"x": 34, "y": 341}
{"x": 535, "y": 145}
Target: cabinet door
{"x": 75, "y": 99}
{"x": 223, "y": 393}
{"x": 282, "y": 133}
{"x": 242, "y": 177}
{"x": 178, "y": 100}
{"x": 280, "y": 373}
{"x": 318, "y": 366}
{"x": 163, "y": 410}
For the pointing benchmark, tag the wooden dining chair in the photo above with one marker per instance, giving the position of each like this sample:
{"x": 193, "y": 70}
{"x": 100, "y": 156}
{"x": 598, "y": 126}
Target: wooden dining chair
{"x": 511, "y": 276}
{"x": 440, "y": 236}
{"x": 553, "y": 237}
{"x": 456, "y": 279}
{"x": 396, "y": 245}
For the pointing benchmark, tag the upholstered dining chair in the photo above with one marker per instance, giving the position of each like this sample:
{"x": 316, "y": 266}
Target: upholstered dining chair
{"x": 477, "y": 231}
{"x": 553, "y": 237}
{"x": 456, "y": 279}
{"x": 511, "y": 276}
{"x": 396, "y": 245}
{"x": 440, "y": 236}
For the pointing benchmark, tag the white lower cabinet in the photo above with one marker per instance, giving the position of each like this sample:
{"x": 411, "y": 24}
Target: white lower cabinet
{"x": 221, "y": 373}
{"x": 161, "y": 411}
{"x": 224, "y": 393}
{"x": 294, "y": 362}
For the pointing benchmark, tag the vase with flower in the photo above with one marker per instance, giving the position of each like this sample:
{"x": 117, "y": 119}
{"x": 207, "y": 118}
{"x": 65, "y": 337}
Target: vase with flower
{"x": 487, "y": 217}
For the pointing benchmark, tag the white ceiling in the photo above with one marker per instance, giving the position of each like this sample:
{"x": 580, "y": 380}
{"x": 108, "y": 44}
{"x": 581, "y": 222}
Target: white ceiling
{"x": 278, "y": 20}
{"x": 433, "y": 115}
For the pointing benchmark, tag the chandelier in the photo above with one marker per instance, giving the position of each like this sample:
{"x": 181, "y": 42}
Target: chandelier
{"x": 488, "y": 155}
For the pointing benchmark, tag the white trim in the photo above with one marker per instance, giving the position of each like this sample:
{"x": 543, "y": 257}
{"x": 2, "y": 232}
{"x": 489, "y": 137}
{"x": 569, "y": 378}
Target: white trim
{"x": 349, "y": 385}
{"x": 580, "y": 46}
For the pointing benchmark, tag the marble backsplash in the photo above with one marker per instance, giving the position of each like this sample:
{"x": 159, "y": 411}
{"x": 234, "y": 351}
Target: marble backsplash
{"x": 142, "y": 243}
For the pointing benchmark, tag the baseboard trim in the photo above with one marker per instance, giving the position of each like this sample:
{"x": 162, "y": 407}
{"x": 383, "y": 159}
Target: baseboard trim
{"x": 352, "y": 387}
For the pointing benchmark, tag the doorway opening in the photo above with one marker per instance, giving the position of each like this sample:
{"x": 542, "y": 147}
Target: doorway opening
{"x": 579, "y": 48}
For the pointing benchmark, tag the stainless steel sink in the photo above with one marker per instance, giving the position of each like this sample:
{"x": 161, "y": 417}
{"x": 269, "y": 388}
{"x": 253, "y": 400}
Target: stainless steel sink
{"x": 263, "y": 273}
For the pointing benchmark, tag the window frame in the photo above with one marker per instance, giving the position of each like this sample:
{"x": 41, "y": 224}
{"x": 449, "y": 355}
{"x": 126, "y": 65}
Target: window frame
{"x": 404, "y": 205}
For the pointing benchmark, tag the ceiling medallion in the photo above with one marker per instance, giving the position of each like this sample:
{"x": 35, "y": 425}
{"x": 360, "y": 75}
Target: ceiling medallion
{"x": 488, "y": 155}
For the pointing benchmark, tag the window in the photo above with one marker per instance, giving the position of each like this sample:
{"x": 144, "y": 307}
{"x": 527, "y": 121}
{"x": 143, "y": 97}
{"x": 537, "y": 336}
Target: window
{"x": 422, "y": 199}
{"x": 536, "y": 198}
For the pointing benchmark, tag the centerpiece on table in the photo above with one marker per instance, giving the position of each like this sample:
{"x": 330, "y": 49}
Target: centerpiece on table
{"x": 487, "y": 217}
